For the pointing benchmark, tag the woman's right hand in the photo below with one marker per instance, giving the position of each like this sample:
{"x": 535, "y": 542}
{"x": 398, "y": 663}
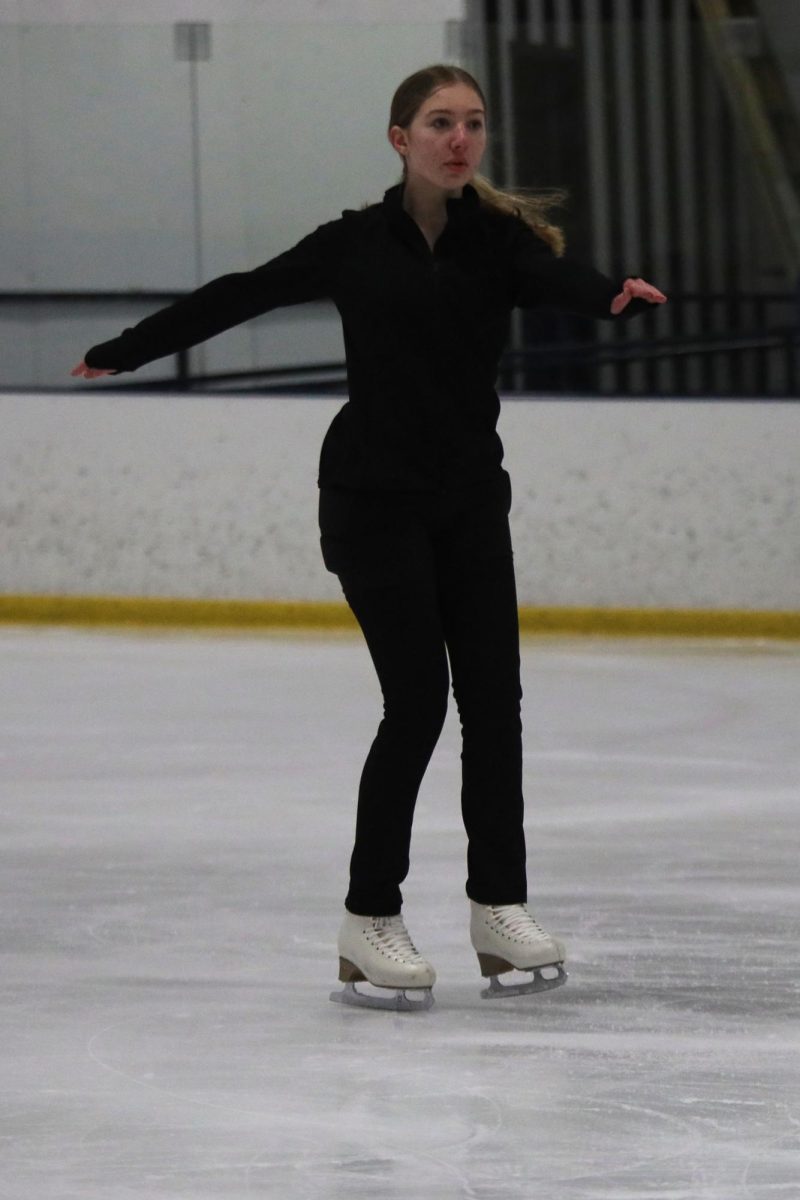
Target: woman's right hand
{"x": 90, "y": 372}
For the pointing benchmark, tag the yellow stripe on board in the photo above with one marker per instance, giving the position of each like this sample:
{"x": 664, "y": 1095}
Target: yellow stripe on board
{"x": 275, "y": 614}
{"x": 173, "y": 611}
{"x": 658, "y": 622}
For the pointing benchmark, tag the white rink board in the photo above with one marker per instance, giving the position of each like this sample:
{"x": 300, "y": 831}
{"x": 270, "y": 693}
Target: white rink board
{"x": 663, "y": 504}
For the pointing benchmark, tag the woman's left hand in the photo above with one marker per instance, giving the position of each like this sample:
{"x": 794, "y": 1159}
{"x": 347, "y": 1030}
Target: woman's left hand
{"x": 636, "y": 289}
{"x": 91, "y": 372}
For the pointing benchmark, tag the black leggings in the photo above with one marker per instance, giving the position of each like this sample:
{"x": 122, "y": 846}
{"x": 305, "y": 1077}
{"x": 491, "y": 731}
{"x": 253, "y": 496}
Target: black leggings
{"x": 430, "y": 575}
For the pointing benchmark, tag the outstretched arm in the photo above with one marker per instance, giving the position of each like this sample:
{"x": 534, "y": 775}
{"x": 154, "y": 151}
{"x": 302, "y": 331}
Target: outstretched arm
{"x": 300, "y": 274}
{"x": 539, "y": 278}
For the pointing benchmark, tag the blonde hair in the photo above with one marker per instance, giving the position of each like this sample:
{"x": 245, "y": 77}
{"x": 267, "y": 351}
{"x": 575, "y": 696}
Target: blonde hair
{"x": 530, "y": 205}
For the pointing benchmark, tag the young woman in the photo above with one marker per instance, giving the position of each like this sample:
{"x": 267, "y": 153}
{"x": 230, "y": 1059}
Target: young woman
{"x": 414, "y": 502}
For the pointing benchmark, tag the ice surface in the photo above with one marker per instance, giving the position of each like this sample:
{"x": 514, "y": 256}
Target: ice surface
{"x": 177, "y": 813}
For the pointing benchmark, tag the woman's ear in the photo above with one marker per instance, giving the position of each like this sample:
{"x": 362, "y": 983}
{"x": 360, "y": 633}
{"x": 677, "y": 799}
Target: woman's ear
{"x": 398, "y": 140}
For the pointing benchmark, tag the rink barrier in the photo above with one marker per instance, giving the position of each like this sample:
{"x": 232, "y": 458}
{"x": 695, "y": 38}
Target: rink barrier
{"x": 178, "y": 612}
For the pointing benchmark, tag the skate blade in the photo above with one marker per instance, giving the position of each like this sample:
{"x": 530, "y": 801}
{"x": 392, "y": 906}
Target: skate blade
{"x": 539, "y": 983}
{"x": 400, "y": 1002}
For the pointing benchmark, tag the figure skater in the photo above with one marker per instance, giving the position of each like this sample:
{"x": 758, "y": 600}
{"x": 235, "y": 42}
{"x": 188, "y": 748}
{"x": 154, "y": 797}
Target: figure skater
{"x": 414, "y": 503}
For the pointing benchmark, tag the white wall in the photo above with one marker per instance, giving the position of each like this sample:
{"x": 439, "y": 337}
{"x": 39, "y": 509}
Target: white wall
{"x": 663, "y": 504}
{"x": 148, "y": 12}
{"x": 104, "y": 185}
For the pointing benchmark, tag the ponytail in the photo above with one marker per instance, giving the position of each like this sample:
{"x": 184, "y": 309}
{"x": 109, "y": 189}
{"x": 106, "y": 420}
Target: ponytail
{"x": 531, "y": 206}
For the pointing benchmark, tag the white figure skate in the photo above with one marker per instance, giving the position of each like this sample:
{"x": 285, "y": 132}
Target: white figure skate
{"x": 506, "y": 937}
{"x": 378, "y": 951}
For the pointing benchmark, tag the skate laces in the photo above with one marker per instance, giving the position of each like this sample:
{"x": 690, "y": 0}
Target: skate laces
{"x": 394, "y": 939}
{"x": 515, "y": 921}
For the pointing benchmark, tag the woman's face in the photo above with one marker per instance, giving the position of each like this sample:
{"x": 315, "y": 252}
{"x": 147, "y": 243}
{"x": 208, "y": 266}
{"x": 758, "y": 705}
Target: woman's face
{"x": 444, "y": 143}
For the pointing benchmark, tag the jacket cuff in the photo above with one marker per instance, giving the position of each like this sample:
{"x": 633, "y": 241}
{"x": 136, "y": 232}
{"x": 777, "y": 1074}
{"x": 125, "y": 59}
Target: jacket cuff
{"x": 116, "y": 355}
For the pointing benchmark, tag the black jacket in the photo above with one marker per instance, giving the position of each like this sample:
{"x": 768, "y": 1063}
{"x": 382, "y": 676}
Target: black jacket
{"x": 423, "y": 332}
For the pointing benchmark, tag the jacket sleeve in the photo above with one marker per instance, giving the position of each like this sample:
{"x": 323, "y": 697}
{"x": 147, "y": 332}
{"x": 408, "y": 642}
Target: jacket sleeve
{"x": 303, "y": 273}
{"x": 539, "y": 278}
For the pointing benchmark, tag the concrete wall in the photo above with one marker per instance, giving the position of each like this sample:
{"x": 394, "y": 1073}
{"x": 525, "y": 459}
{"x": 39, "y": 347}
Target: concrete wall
{"x": 658, "y": 504}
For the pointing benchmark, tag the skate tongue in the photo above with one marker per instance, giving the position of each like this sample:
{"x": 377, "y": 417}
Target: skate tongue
{"x": 396, "y": 939}
{"x": 516, "y": 919}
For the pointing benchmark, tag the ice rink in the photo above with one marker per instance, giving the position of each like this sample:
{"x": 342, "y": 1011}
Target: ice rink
{"x": 177, "y": 813}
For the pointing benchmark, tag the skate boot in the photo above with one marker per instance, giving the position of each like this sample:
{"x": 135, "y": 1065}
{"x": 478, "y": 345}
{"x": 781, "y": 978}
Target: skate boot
{"x": 378, "y": 951}
{"x": 506, "y": 937}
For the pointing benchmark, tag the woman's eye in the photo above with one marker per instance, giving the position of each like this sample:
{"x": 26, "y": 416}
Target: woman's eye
{"x": 441, "y": 123}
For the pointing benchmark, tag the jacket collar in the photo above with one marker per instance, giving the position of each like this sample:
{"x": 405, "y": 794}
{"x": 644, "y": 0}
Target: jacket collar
{"x": 461, "y": 209}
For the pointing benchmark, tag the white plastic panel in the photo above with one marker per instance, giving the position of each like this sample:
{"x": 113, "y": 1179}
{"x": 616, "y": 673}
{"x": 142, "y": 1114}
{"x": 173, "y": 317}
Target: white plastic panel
{"x": 650, "y": 504}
